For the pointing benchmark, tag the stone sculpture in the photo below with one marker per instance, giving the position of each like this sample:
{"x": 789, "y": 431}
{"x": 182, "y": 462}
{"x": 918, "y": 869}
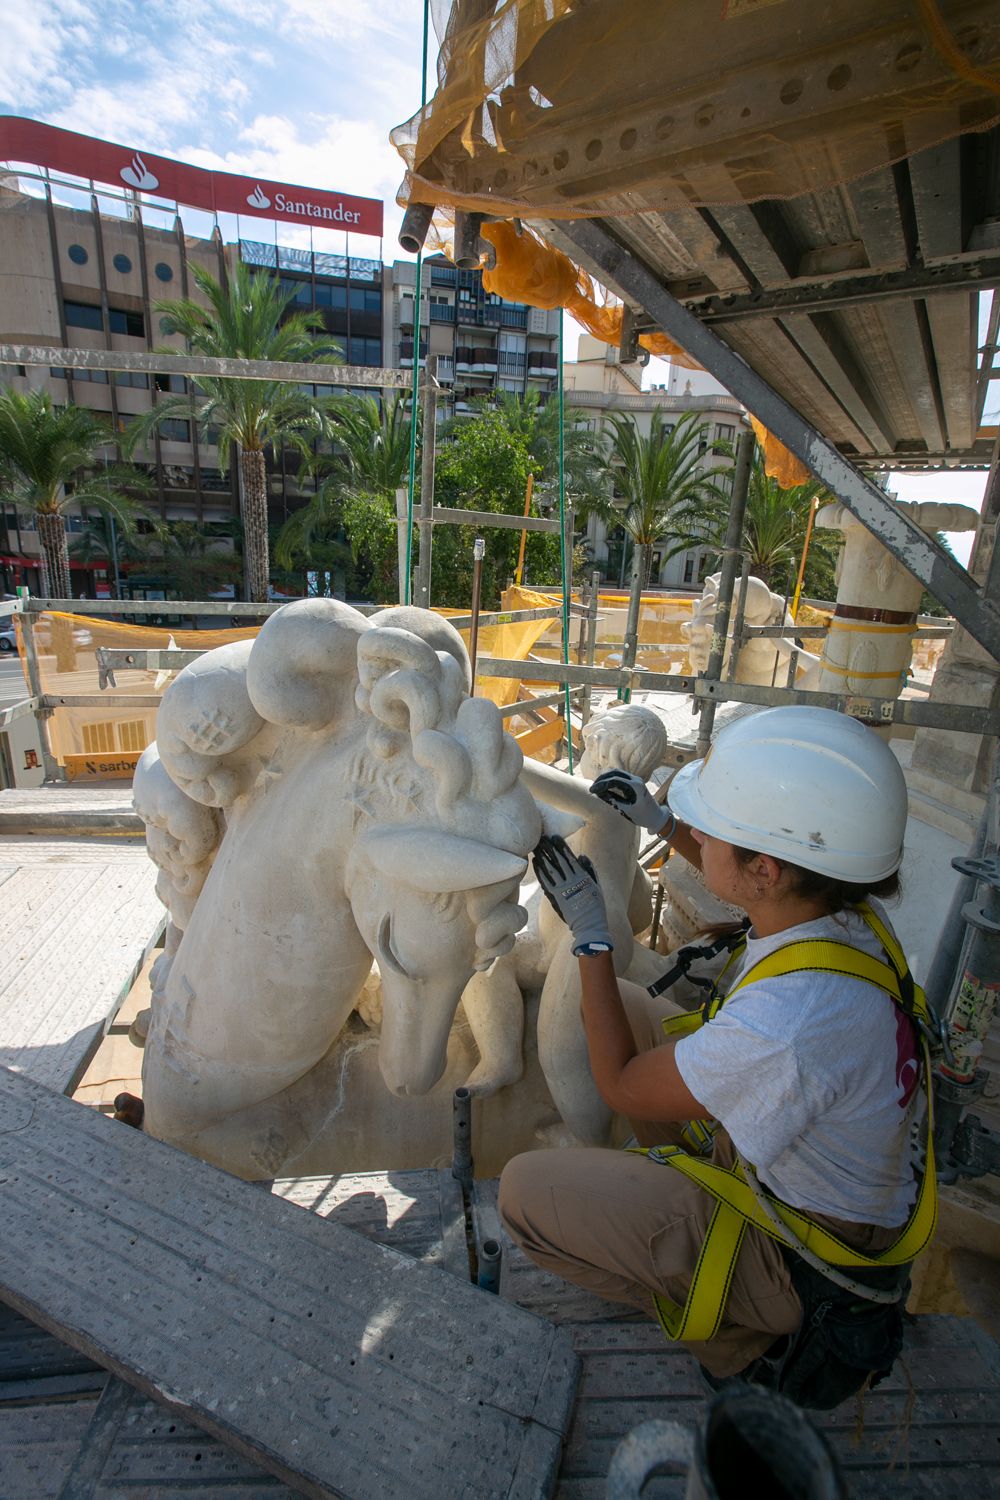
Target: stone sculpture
{"x": 633, "y": 738}
{"x": 760, "y": 661}
{"x": 368, "y": 808}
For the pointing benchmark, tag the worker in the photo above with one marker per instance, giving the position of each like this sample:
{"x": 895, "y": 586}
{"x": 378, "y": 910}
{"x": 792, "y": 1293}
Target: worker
{"x": 771, "y": 1210}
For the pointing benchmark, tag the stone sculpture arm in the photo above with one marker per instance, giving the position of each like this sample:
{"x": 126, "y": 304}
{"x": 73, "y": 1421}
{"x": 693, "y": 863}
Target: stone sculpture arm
{"x": 558, "y": 790}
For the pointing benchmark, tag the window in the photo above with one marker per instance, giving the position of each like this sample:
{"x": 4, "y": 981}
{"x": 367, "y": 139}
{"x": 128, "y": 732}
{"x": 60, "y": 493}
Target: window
{"x": 175, "y": 430}
{"x": 167, "y": 327}
{"x": 96, "y": 377}
{"x": 369, "y": 351}
{"x": 78, "y": 255}
{"x": 131, "y": 323}
{"x": 122, "y": 263}
{"x": 724, "y": 432}
{"x": 177, "y": 384}
{"x": 133, "y": 734}
{"x": 82, "y": 315}
{"x": 688, "y": 569}
{"x": 132, "y": 377}
{"x": 363, "y": 300}
{"x": 163, "y": 272}
{"x": 56, "y": 372}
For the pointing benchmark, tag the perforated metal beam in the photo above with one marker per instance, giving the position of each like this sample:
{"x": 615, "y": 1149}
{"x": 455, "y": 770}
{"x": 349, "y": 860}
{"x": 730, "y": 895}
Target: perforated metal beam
{"x": 935, "y": 568}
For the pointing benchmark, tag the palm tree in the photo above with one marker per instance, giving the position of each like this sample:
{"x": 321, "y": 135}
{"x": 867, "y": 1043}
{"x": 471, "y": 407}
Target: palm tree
{"x": 247, "y": 318}
{"x": 663, "y": 484}
{"x": 774, "y": 527}
{"x": 369, "y": 463}
{"x": 48, "y": 461}
{"x": 105, "y": 540}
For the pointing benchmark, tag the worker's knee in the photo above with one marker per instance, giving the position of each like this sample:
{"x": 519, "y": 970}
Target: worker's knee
{"x": 525, "y": 1191}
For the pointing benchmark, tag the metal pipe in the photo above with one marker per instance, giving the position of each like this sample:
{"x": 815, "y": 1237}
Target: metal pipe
{"x": 413, "y": 230}
{"x": 490, "y": 1259}
{"x": 478, "y": 552}
{"x": 951, "y": 940}
{"x": 428, "y": 444}
{"x": 52, "y": 769}
{"x": 593, "y": 604}
{"x": 654, "y": 930}
{"x": 461, "y": 1125}
{"x": 467, "y": 250}
{"x": 733, "y": 550}
{"x": 739, "y": 624}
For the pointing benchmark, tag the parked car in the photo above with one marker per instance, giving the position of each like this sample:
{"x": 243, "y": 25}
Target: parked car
{"x": 8, "y": 636}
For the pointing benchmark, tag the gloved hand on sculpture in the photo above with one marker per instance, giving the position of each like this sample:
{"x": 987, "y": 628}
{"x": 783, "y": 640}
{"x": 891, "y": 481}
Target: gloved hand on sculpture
{"x": 574, "y": 892}
{"x": 629, "y": 795}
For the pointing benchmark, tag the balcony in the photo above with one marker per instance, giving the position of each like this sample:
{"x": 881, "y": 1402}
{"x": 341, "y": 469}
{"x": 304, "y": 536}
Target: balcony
{"x": 442, "y": 314}
{"x": 443, "y": 275}
{"x": 476, "y": 315}
{"x": 542, "y": 366}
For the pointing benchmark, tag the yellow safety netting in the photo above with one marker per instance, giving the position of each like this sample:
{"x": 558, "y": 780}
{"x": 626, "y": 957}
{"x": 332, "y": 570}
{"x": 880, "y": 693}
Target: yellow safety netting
{"x": 556, "y": 109}
{"x": 101, "y": 742}
{"x": 98, "y": 742}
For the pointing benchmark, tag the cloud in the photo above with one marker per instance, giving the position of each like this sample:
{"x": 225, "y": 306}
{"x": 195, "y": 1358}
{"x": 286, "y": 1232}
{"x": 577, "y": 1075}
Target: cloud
{"x": 40, "y": 40}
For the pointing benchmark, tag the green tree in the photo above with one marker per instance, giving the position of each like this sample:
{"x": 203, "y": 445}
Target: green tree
{"x": 247, "y": 318}
{"x": 354, "y": 503}
{"x": 485, "y": 467}
{"x": 49, "y": 461}
{"x": 663, "y": 483}
{"x": 774, "y": 532}
{"x": 537, "y": 422}
{"x": 189, "y": 558}
{"x": 103, "y": 540}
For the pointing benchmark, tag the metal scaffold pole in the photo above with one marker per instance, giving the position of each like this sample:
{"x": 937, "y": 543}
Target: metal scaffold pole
{"x": 733, "y": 552}
{"x": 428, "y": 448}
{"x": 565, "y": 545}
{"x": 416, "y": 357}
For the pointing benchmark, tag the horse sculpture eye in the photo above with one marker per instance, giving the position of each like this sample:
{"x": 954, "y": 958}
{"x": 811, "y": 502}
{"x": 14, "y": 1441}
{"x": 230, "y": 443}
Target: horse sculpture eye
{"x": 386, "y": 957}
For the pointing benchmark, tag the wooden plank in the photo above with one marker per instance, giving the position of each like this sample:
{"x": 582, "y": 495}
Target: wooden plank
{"x": 73, "y": 937}
{"x": 529, "y": 741}
{"x": 340, "y": 1366}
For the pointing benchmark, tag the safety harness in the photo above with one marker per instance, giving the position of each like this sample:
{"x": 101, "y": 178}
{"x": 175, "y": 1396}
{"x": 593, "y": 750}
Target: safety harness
{"x": 737, "y": 1203}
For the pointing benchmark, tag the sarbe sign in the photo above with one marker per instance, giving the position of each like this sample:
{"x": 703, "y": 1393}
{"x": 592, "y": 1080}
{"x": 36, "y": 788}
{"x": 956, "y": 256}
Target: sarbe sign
{"x": 41, "y": 145}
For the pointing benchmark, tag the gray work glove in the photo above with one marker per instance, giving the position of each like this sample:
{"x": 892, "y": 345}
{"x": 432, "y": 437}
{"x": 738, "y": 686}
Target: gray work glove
{"x": 630, "y": 796}
{"x": 570, "y": 883}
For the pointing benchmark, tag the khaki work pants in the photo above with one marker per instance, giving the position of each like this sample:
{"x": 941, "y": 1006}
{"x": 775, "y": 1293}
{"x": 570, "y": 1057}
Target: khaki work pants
{"x": 625, "y": 1227}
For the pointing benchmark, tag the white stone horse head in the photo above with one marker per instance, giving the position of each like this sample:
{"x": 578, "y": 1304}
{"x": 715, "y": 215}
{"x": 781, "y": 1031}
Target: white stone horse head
{"x": 433, "y": 879}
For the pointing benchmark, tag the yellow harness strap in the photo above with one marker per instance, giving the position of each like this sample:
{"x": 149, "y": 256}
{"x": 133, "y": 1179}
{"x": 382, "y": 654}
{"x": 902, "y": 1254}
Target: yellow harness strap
{"x": 736, "y": 1206}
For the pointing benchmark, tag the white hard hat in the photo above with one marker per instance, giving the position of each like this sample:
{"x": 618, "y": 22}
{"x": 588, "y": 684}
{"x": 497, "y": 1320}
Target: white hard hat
{"x": 806, "y": 785}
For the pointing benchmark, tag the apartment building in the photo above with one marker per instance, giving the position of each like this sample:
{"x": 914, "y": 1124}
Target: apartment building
{"x": 81, "y": 278}
{"x": 482, "y": 342}
{"x": 598, "y": 385}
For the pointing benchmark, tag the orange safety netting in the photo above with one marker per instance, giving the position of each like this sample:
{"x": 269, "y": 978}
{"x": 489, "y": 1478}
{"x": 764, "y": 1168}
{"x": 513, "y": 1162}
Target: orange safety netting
{"x": 555, "y": 109}
{"x": 528, "y": 270}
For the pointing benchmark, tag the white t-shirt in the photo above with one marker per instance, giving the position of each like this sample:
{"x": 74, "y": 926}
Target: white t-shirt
{"x": 815, "y": 1078}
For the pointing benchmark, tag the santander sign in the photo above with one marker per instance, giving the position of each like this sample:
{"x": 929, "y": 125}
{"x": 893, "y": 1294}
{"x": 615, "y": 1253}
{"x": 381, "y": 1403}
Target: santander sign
{"x": 33, "y": 143}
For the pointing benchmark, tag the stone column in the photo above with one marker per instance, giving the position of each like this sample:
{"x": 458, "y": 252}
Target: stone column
{"x": 870, "y": 643}
{"x": 944, "y": 758}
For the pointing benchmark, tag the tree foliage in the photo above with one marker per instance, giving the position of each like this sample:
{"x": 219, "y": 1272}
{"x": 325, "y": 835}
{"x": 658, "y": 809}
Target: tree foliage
{"x": 248, "y": 317}
{"x": 485, "y": 467}
{"x": 49, "y": 461}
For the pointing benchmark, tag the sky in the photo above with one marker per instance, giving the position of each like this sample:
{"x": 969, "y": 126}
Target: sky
{"x": 303, "y": 91}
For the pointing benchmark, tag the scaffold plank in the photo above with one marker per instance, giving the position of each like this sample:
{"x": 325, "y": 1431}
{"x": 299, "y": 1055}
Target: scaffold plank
{"x": 340, "y": 1366}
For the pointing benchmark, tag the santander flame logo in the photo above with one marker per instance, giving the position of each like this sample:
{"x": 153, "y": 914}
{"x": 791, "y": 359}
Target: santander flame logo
{"x": 138, "y": 175}
{"x": 257, "y": 199}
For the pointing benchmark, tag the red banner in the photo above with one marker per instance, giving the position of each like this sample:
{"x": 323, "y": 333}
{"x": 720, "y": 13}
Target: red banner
{"x": 30, "y": 141}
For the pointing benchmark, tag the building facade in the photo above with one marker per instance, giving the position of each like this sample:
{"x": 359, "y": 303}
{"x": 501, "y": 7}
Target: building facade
{"x": 597, "y": 386}
{"x": 75, "y": 278}
{"x": 482, "y": 342}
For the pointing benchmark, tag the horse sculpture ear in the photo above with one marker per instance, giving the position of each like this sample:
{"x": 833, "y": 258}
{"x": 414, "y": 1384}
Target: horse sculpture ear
{"x": 431, "y": 860}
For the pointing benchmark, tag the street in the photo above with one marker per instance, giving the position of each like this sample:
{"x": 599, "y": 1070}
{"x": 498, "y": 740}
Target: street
{"x": 12, "y": 684}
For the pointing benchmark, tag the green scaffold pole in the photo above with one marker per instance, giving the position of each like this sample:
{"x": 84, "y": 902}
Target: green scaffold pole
{"x": 415, "y": 397}
{"x": 564, "y": 552}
